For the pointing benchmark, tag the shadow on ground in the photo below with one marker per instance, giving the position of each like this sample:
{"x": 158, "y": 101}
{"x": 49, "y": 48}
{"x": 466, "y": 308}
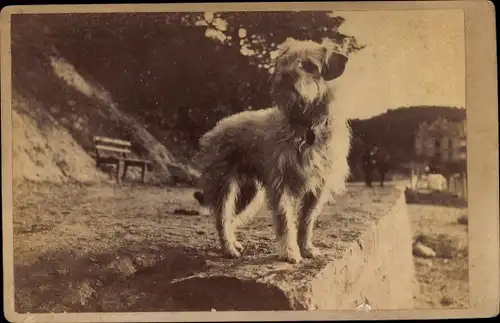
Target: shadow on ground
{"x": 125, "y": 280}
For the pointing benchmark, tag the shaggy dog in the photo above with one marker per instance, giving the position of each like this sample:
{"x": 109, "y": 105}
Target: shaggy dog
{"x": 294, "y": 153}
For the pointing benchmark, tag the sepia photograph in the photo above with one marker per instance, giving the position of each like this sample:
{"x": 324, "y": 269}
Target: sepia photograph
{"x": 238, "y": 160}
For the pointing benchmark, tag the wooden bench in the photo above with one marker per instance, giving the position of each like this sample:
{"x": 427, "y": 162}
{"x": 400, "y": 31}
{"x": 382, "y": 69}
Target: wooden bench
{"x": 116, "y": 152}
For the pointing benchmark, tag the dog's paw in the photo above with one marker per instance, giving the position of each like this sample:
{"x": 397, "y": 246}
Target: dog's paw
{"x": 291, "y": 256}
{"x": 231, "y": 252}
{"x": 238, "y": 246}
{"x": 310, "y": 252}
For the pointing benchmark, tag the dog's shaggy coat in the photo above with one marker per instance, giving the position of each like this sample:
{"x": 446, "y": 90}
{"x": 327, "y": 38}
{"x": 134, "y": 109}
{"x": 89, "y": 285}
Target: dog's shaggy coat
{"x": 294, "y": 153}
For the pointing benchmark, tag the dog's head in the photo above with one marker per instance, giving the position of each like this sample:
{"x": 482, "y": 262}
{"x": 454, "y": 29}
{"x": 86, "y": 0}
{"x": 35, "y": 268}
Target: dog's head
{"x": 302, "y": 71}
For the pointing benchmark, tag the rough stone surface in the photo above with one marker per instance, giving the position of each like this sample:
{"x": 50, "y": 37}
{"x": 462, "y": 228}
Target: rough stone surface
{"x": 103, "y": 249}
{"x": 372, "y": 262}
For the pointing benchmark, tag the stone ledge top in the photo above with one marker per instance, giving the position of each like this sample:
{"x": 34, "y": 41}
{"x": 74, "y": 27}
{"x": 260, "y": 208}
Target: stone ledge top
{"x": 344, "y": 229}
{"x": 165, "y": 261}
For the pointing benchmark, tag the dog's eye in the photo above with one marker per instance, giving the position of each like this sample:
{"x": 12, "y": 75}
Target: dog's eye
{"x": 310, "y": 67}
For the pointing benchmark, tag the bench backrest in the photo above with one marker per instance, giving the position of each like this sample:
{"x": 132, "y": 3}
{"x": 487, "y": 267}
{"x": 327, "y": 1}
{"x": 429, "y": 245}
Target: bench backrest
{"x": 110, "y": 146}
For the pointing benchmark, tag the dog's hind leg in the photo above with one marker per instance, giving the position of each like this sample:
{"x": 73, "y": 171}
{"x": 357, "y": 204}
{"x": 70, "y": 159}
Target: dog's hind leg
{"x": 224, "y": 211}
{"x": 283, "y": 206}
{"x": 309, "y": 211}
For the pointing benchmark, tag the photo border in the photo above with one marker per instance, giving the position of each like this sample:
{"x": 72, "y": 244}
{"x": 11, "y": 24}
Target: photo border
{"x": 482, "y": 152}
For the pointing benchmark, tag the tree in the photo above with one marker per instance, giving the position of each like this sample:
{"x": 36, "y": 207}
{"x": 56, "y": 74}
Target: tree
{"x": 258, "y": 34}
{"x": 178, "y": 73}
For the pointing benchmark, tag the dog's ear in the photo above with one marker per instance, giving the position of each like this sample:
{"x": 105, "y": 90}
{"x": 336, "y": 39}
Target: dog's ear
{"x": 284, "y": 47}
{"x": 335, "y": 61}
{"x": 287, "y": 43}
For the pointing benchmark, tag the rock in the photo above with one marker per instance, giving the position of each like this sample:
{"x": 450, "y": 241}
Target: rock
{"x": 463, "y": 219}
{"x": 445, "y": 246}
{"x": 446, "y": 301}
{"x": 81, "y": 294}
{"x": 144, "y": 260}
{"x": 420, "y": 250}
{"x": 122, "y": 266}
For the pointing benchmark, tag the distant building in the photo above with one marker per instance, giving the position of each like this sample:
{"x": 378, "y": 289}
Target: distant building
{"x": 442, "y": 140}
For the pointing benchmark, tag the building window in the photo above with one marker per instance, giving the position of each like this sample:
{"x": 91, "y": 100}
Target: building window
{"x": 437, "y": 149}
{"x": 451, "y": 149}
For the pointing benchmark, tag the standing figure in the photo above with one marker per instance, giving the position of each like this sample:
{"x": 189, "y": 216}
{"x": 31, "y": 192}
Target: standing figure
{"x": 383, "y": 167}
{"x": 369, "y": 164}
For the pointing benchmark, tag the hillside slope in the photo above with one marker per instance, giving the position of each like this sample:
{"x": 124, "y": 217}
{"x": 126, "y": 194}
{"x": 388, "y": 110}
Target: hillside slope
{"x": 43, "y": 150}
{"x": 53, "y": 129}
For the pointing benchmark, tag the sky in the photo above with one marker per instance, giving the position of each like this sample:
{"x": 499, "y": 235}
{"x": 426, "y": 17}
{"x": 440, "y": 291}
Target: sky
{"x": 411, "y": 58}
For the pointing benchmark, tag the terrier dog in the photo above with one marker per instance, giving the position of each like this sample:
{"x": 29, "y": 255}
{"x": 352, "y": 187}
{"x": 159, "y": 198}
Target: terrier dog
{"x": 294, "y": 153}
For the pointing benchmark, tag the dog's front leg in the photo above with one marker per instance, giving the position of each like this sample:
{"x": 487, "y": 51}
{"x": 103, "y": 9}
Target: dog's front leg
{"x": 310, "y": 209}
{"x": 284, "y": 208}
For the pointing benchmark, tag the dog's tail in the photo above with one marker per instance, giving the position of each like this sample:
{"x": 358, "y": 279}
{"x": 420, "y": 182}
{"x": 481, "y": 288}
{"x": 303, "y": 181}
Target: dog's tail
{"x": 244, "y": 217}
{"x": 247, "y": 213}
{"x": 207, "y": 150}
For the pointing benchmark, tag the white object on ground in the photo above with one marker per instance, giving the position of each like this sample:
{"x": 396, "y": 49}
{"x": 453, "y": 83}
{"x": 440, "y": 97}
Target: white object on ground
{"x": 420, "y": 250}
{"x": 436, "y": 182}
{"x": 204, "y": 211}
{"x": 419, "y": 182}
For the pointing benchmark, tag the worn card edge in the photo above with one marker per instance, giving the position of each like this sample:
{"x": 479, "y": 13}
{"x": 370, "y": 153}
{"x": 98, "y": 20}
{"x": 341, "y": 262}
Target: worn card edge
{"x": 482, "y": 142}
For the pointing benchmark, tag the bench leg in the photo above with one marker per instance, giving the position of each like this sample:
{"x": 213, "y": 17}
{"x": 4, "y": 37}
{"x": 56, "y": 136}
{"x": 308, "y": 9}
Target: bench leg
{"x": 119, "y": 167}
{"x": 125, "y": 168}
{"x": 144, "y": 172}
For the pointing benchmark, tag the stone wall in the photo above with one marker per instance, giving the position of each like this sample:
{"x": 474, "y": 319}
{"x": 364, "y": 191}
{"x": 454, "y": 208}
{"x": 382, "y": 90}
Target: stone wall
{"x": 371, "y": 263}
{"x": 148, "y": 258}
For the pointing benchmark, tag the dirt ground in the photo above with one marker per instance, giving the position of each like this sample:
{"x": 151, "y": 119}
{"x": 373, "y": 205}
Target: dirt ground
{"x": 70, "y": 240}
{"x": 443, "y": 280}
{"x": 64, "y": 235}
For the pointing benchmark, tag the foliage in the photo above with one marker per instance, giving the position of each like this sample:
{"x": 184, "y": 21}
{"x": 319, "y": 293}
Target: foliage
{"x": 178, "y": 73}
{"x": 257, "y": 36}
